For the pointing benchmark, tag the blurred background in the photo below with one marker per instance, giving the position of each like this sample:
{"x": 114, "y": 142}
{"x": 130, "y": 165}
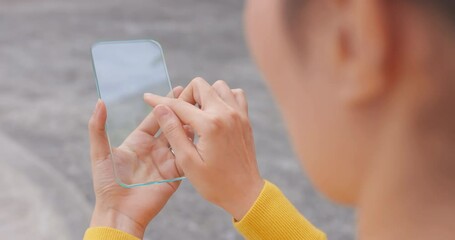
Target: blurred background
{"x": 47, "y": 93}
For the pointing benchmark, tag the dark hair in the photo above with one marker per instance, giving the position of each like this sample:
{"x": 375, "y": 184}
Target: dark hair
{"x": 446, "y": 7}
{"x": 292, "y": 8}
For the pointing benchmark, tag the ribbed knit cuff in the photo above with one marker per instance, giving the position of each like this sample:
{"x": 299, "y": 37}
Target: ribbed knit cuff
{"x": 107, "y": 233}
{"x": 273, "y": 217}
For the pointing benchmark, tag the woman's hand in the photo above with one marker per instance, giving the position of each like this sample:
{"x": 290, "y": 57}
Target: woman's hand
{"x": 130, "y": 210}
{"x": 222, "y": 165}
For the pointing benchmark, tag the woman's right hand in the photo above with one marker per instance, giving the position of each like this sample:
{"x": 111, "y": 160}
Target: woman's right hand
{"x": 222, "y": 164}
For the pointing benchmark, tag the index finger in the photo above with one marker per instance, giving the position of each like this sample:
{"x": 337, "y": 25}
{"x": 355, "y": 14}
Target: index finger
{"x": 186, "y": 112}
{"x": 201, "y": 92}
{"x": 150, "y": 125}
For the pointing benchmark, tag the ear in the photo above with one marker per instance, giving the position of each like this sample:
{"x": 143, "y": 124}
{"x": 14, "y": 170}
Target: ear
{"x": 365, "y": 51}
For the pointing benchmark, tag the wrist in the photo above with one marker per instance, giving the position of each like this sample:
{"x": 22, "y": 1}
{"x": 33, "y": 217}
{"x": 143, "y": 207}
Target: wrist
{"x": 109, "y": 217}
{"x": 239, "y": 207}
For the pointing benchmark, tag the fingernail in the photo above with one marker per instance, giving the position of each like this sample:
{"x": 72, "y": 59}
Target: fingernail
{"x": 147, "y": 94}
{"x": 161, "y": 112}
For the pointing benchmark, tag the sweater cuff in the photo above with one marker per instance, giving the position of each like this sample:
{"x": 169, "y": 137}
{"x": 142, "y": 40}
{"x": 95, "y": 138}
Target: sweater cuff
{"x": 107, "y": 233}
{"x": 272, "y": 216}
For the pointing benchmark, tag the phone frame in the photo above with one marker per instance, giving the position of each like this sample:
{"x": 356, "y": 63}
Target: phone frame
{"x": 117, "y": 178}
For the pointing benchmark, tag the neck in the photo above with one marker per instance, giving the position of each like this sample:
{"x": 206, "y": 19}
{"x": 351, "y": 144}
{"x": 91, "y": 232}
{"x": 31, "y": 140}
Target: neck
{"x": 411, "y": 191}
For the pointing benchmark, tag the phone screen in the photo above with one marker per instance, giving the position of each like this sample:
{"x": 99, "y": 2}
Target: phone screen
{"x": 124, "y": 71}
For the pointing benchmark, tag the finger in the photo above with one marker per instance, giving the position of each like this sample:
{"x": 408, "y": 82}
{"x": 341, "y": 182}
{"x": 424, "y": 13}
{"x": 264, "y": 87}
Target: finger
{"x": 200, "y": 92}
{"x": 186, "y": 155}
{"x": 241, "y": 99}
{"x": 176, "y": 92}
{"x": 186, "y": 112}
{"x": 99, "y": 144}
{"x": 149, "y": 125}
{"x": 162, "y": 140}
{"x": 225, "y": 93}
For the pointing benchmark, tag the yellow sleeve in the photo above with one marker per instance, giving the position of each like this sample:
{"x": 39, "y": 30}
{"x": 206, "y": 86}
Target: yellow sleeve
{"x": 273, "y": 217}
{"x": 107, "y": 233}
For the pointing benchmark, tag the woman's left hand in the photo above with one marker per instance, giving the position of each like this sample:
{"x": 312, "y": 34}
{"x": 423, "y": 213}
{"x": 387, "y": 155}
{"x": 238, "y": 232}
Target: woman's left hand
{"x": 129, "y": 210}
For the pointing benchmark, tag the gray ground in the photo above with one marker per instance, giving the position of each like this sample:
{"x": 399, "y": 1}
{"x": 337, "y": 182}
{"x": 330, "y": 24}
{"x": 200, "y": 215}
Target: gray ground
{"x": 47, "y": 93}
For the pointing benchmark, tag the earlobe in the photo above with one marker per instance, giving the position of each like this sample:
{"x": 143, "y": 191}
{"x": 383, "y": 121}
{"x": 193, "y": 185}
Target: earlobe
{"x": 366, "y": 48}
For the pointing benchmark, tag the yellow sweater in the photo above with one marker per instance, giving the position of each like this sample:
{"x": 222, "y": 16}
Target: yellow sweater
{"x": 271, "y": 217}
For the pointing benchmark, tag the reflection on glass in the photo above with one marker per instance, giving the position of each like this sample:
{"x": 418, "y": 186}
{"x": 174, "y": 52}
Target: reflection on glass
{"x": 124, "y": 71}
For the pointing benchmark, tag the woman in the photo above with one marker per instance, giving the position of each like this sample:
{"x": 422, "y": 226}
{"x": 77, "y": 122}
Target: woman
{"x": 366, "y": 88}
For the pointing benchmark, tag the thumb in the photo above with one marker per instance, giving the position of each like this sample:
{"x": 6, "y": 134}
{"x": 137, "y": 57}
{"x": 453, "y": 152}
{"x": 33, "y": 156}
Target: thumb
{"x": 185, "y": 152}
{"x": 99, "y": 145}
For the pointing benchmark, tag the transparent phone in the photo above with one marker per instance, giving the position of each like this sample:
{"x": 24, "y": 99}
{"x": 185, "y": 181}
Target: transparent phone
{"x": 124, "y": 71}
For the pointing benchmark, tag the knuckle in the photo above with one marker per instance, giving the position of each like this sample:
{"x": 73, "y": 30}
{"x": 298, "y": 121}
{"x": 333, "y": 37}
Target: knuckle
{"x": 171, "y": 127}
{"x": 220, "y": 83}
{"x": 239, "y": 91}
{"x": 174, "y": 102}
{"x": 197, "y": 80}
{"x": 242, "y": 93}
{"x": 220, "y": 122}
{"x": 215, "y": 124}
{"x": 232, "y": 115}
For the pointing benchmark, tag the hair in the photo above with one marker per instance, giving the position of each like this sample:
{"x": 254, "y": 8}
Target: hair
{"x": 292, "y": 9}
{"x": 445, "y": 7}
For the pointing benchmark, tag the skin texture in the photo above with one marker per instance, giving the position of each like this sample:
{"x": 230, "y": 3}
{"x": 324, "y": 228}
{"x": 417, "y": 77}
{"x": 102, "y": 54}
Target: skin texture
{"x": 366, "y": 89}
